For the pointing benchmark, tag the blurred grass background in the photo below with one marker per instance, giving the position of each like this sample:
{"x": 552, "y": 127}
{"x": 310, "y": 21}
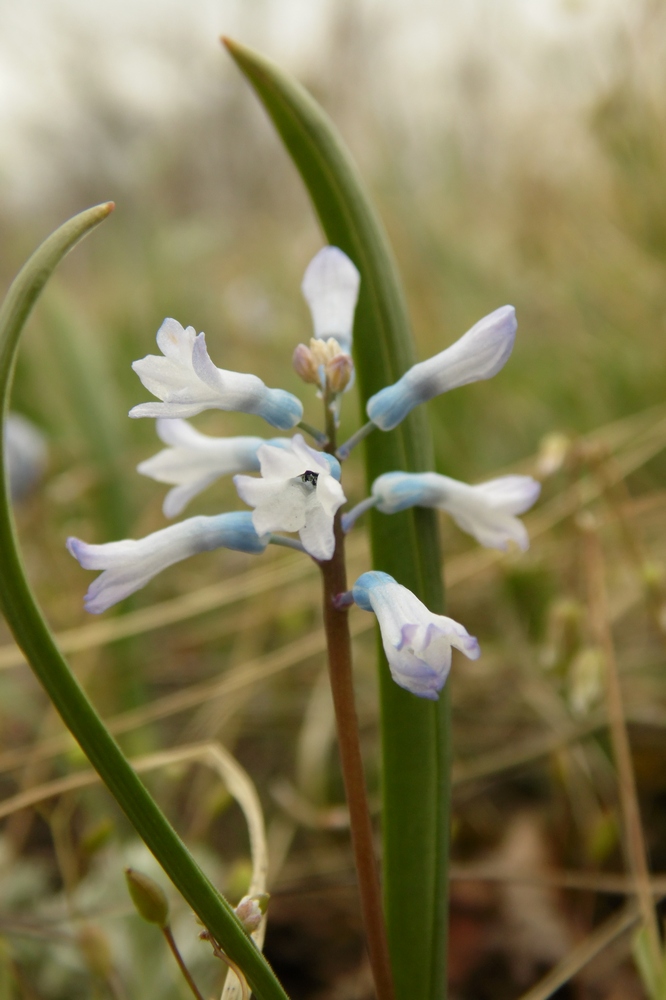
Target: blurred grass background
{"x": 517, "y": 153}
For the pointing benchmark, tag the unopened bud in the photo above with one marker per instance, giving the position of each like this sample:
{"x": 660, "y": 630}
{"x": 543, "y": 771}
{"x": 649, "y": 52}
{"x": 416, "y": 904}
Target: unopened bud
{"x": 304, "y": 364}
{"x": 96, "y": 950}
{"x": 339, "y": 372}
{"x": 148, "y": 897}
{"x": 251, "y": 909}
{"x": 323, "y": 351}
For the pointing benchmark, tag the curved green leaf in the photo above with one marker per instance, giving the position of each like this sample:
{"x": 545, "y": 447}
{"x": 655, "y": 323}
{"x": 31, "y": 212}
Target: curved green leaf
{"x": 415, "y": 733}
{"x": 34, "y": 637}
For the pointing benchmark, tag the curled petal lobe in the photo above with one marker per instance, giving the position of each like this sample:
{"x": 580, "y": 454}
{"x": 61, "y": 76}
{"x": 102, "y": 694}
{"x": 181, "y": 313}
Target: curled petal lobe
{"x": 187, "y": 382}
{"x": 298, "y": 491}
{"x": 330, "y": 288}
{"x": 417, "y": 642}
{"x": 128, "y": 565}
{"x": 193, "y": 461}
{"x": 487, "y": 511}
{"x": 479, "y": 354}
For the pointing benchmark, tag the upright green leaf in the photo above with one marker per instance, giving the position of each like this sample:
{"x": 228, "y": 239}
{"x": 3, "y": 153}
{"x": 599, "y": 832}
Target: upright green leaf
{"x": 415, "y": 733}
{"x": 35, "y": 639}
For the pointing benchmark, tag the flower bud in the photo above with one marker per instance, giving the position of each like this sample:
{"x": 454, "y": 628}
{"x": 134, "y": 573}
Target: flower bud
{"x": 324, "y": 351}
{"x": 338, "y": 372}
{"x": 148, "y": 897}
{"x": 251, "y": 909}
{"x": 304, "y": 364}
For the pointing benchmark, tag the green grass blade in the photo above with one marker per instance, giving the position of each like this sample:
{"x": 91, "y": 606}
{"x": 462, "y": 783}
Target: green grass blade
{"x": 415, "y": 733}
{"x": 34, "y": 637}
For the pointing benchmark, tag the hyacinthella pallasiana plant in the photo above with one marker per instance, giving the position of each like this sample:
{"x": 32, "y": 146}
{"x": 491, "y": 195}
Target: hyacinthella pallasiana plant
{"x": 298, "y": 490}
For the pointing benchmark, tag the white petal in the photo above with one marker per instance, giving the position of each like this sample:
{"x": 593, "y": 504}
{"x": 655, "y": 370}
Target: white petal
{"x": 279, "y": 505}
{"x": 175, "y": 342}
{"x": 280, "y": 463}
{"x": 330, "y": 287}
{"x": 329, "y": 494}
{"x": 317, "y": 534}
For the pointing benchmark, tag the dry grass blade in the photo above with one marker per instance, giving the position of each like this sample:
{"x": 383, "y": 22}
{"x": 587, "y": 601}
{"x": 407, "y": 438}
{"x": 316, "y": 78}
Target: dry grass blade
{"x": 250, "y": 673}
{"x": 633, "y": 830}
{"x": 584, "y": 953}
{"x": 614, "y": 885}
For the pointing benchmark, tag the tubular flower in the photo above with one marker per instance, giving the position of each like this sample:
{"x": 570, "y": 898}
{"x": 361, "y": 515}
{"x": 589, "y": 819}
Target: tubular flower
{"x": 193, "y": 461}
{"x": 479, "y": 354}
{"x": 486, "y": 511}
{"x": 330, "y": 287}
{"x": 129, "y": 564}
{"x": 417, "y": 642}
{"x": 298, "y": 491}
{"x": 187, "y": 382}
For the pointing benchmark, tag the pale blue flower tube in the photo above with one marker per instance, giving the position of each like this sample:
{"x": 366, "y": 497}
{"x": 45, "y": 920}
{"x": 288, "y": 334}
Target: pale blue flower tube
{"x": 478, "y": 354}
{"x": 417, "y": 642}
{"x": 129, "y": 564}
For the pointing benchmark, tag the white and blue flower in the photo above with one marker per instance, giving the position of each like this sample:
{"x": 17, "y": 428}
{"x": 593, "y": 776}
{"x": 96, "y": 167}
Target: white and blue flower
{"x": 487, "y": 511}
{"x": 417, "y": 642}
{"x": 330, "y": 287}
{"x": 187, "y": 382}
{"x": 478, "y": 354}
{"x": 299, "y": 490}
{"x": 129, "y": 564}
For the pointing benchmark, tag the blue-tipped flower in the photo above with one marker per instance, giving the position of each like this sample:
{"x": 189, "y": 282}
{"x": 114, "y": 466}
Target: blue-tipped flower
{"x": 193, "y": 461}
{"x": 187, "y": 382}
{"x": 129, "y": 564}
{"x": 486, "y": 511}
{"x": 330, "y": 288}
{"x": 479, "y": 354}
{"x": 417, "y": 642}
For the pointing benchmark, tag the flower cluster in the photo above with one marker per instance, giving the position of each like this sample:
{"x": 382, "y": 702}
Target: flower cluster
{"x": 298, "y": 488}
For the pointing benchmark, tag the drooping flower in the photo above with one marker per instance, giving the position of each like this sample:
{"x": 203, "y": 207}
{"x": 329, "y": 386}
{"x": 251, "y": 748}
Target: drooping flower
{"x": 298, "y": 491}
{"x": 487, "y": 511}
{"x": 478, "y": 354}
{"x": 193, "y": 461}
{"x": 129, "y": 564}
{"x": 417, "y": 642}
{"x": 330, "y": 287}
{"x": 187, "y": 382}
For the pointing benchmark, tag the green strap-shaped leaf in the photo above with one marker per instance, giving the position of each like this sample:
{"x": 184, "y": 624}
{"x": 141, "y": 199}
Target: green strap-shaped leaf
{"x": 34, "y": 637}
{"x": 415, "y": 741}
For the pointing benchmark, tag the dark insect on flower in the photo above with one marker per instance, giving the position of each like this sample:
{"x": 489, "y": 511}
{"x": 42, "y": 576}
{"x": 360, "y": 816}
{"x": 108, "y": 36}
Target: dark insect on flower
{"x": 310, "y": 477}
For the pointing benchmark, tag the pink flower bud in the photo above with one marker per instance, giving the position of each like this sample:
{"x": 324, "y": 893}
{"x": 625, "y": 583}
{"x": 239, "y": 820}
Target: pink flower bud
{"x": 338, "y": 372}
{"x": 304, "y": 364}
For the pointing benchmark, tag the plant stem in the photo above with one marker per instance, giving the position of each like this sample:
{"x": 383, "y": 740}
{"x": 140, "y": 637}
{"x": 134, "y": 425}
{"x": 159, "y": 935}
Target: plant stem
{"x": 340, "y": 669}
{"x": 181, "y": 964}
{"x": 338, "y": 640}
